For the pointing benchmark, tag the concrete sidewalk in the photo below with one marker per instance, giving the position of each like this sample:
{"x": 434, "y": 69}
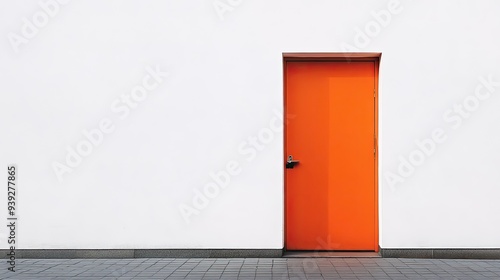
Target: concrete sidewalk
{"x": 277, "y": 268}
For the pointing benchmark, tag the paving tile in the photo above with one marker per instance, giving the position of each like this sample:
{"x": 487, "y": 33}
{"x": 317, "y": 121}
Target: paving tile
{"x": 252, "y": 268}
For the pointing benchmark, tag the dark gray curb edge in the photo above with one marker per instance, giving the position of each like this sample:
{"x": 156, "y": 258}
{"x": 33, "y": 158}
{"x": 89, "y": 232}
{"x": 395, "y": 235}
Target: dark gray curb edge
{"x": 141, "y": 253}
{"x": 234, "y": 253}
{"x": 441, "y": 253}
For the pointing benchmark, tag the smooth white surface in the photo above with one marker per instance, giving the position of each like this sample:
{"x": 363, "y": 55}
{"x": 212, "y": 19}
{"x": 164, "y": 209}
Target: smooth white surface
{"x": 225, "y": 84}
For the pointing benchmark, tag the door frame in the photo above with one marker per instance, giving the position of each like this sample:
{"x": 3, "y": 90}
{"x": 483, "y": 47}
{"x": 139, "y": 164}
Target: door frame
{"x": 332, "y": 57}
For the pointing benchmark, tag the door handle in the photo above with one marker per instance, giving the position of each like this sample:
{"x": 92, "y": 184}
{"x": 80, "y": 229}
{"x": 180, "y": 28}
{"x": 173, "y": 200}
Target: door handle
{"x": 290, "y": 162}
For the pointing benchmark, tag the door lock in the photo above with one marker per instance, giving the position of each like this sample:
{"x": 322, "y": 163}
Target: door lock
{"x": 290, "y": 163}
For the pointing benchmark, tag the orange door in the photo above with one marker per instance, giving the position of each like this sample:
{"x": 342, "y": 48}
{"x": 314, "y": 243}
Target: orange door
{"x": 331, "y": 192}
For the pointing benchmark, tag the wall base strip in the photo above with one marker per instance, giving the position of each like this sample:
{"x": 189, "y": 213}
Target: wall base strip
{"x": 141, "y": 253}
{"x": 441, "y": 253}
{"x": 233, "y": 253}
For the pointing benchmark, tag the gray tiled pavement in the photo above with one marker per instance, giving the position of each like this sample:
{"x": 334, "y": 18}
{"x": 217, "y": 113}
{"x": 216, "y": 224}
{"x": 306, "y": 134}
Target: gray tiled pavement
{"x": 278, "y": 268}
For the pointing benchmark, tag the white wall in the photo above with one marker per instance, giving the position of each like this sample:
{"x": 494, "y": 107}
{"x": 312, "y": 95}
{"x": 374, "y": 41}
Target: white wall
{"x": 225, "y": 87}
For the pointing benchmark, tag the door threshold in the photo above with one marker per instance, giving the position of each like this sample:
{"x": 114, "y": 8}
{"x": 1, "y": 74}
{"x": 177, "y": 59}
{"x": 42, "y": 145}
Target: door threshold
{"x": 311, "y": 254}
